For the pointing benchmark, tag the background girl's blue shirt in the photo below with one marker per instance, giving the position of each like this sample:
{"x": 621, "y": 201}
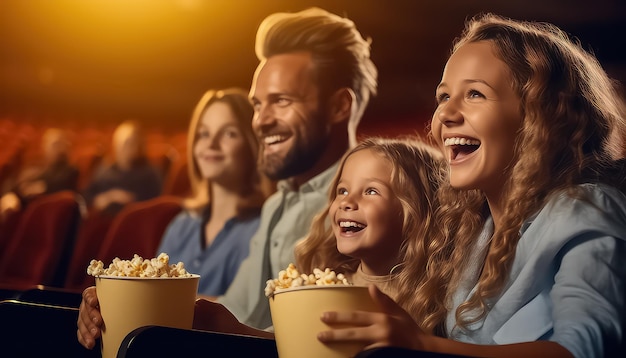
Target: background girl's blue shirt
{"x": 216, "y": 264}
{"x": 567, "y": 282}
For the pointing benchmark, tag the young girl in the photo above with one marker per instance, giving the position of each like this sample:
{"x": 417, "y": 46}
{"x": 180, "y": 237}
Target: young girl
{"x": 379, "y": 212}
{"x": 537, "y": 238}
{"x": 380, "y": 206}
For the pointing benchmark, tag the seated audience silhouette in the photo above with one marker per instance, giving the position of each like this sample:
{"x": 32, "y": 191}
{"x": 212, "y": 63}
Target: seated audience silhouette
{"x": 130, "y": 177}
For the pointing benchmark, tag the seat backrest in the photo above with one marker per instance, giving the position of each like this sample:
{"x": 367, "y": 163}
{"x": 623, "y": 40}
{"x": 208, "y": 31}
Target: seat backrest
{"x": 40, "y": 330}
{"x": 51, "y": 296}
{"x": 8, "y": 224}
{"x": 89, "y": 239}
{"x": 177, "y": 182}
{"x": 138, "y": 228}
{"x": 41, "y": 244}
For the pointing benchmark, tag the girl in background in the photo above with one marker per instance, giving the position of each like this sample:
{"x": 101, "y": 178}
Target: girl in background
{"x": 211, "y": 236}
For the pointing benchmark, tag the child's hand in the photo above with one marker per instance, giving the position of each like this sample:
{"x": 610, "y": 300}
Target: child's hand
{"x": 390, "y": 327}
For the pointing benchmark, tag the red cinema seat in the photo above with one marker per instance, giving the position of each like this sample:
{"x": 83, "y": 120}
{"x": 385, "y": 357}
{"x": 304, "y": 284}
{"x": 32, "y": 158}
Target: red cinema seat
{"x": 137, "y": 229}
{"x": 39, "y": 249}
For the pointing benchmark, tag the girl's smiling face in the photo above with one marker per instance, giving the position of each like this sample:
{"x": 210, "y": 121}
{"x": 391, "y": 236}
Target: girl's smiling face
{"x": 477, "y": 118}
{"x": 366, "y": 213}
{"x": 220, "y": 149}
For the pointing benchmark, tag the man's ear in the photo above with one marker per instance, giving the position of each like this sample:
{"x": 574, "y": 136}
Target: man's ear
{"x": 341, "y": 104}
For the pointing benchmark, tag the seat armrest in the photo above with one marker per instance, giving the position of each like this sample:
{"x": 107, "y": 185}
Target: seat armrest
{"x": 175, "y": 342}
{"x": 397, "y": 352}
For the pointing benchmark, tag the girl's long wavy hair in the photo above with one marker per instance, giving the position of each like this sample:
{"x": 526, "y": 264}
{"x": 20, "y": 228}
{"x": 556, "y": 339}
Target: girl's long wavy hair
{"x": 417, "y": 169}
{"x": 570, "y": 109}
{"x": 258, "y": 187}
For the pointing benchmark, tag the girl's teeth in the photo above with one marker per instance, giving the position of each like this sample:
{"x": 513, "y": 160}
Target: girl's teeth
{"x": 350, "y": 224}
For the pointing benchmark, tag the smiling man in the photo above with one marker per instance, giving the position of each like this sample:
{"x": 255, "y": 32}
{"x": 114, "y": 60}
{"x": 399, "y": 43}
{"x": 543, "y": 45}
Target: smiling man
{"x": 313, "y": 82}
{"x": 312, "y": 85}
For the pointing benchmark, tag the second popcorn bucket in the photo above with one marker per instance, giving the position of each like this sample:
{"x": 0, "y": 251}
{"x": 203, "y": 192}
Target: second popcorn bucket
{"x": 297, "y": 301}
{"x": 296, "y": 316}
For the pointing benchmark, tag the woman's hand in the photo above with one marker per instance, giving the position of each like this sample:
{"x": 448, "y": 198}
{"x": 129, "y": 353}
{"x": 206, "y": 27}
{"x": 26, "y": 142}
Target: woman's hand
{"x": 393, "y": 326}
{"x": 89, "y": 319}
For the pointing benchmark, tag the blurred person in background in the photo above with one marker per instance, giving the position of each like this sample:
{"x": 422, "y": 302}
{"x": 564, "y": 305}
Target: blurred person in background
{"x": 55, "y": 173}
{"x": 129, "y": 178}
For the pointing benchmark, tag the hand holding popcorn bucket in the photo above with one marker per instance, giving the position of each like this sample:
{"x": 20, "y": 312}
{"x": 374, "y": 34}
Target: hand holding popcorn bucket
{"x": 142, "y": 292}
{"x": 296, "y": 304}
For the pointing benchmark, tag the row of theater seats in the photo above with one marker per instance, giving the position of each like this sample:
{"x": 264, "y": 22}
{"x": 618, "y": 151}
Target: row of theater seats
{"x": 52, "y": 241}
{"x": 90, "y": 146}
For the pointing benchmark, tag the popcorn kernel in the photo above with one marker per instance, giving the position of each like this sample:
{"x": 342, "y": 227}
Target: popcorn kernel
{"x": 290, "y": 277}
{"x": 139, "y": 267}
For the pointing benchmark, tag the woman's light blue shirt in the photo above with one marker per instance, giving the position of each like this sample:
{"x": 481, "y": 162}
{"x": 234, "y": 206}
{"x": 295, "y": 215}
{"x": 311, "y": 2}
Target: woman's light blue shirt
{"x": 567, "y": 281}
{"x": 216, "y": 264}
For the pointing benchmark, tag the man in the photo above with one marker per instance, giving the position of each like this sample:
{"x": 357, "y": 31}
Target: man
{"x": 309, "y": 91}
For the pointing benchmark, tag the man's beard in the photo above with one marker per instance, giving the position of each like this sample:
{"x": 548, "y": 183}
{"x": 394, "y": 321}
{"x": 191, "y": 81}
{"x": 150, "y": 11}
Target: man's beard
{"x": 298, "y": 160}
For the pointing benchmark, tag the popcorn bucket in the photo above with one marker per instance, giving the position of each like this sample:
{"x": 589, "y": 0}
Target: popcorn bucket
{"x": 296, "y": 316}
{"x": 127, "y": 303}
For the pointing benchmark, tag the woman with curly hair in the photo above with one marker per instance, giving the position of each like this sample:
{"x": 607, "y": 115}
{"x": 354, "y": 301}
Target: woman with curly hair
{"x": 528, "y": 254}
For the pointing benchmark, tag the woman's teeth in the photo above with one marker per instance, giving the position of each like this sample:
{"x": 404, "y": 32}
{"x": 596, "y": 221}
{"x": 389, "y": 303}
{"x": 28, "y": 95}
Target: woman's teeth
{"x": 460, "y": 141}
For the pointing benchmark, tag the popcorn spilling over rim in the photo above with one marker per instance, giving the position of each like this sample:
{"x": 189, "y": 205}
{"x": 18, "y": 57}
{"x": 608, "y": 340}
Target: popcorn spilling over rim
{"x": 139, "y": 267}
{"x": 290, "y": 277}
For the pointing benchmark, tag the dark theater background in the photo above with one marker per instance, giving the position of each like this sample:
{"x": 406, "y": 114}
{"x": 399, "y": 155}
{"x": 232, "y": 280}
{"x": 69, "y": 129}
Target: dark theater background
{"x": 89, "y": 64}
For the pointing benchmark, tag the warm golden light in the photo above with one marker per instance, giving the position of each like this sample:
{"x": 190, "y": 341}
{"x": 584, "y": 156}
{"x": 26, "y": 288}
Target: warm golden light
{"x": 123, "y": 52}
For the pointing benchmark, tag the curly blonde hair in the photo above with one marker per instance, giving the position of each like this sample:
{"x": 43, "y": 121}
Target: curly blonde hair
{"x": 570, "y": 109}
{"x": 418, "y": 168}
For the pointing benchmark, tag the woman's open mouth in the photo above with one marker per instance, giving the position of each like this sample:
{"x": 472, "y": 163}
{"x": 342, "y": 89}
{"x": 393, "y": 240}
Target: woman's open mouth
{"x": 461, "y": 147}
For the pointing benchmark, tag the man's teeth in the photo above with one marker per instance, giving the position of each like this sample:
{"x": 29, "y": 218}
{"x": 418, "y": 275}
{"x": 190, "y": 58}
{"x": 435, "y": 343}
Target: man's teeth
{"x": 273, "y": 139}
{"x": 460, "y": 141}
{"x": 351, "y": 224}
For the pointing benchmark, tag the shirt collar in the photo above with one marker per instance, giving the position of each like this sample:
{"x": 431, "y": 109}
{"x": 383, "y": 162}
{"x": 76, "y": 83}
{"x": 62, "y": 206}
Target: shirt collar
{"x": 317, "y": 183}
